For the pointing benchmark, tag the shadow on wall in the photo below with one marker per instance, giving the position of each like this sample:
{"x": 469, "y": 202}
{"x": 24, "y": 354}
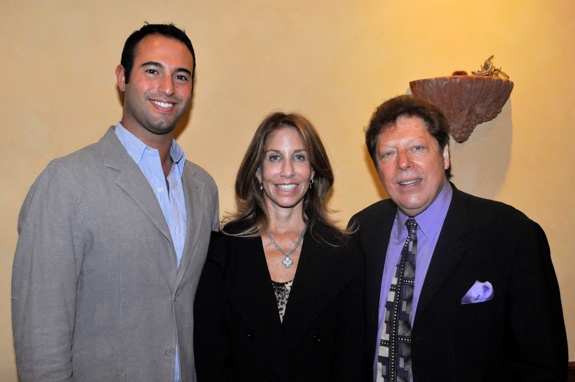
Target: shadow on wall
{"x": 480, "y": 164}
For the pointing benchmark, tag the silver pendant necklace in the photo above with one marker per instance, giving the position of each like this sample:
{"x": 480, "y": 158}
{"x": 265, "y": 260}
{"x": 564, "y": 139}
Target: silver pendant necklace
{"x": 287, "y": 261}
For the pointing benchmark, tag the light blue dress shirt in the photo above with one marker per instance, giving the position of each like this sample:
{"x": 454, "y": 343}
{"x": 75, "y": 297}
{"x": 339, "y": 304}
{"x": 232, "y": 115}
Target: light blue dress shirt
{"x": 171, "y": 199}
{"x": 429, "y": 224}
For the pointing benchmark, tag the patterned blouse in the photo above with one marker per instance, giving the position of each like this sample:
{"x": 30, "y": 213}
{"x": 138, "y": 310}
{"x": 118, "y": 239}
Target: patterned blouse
{"x": 282, "y": 293}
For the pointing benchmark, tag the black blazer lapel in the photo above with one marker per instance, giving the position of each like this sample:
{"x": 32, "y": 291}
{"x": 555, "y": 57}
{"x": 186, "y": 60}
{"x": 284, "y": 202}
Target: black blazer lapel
{"x": 449, "y": 250}
{"x": 247, "y": 286}
{"x": 318, "y": 281}
{"x": 375, "y": 224}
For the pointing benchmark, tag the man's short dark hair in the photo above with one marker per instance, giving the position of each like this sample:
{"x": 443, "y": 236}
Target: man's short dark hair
{"x": 166, "y": 30}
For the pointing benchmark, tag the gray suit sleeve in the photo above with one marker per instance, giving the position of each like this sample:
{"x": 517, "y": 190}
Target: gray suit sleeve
{"x": 44, "y": 278}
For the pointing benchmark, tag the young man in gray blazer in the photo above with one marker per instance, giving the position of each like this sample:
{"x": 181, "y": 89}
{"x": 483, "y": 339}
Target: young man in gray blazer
{"x": 482, "y": 302}
{"x": 113, "y": 237}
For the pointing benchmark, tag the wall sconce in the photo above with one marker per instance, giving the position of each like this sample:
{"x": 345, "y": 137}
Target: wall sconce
{"x": 466, "y": 100}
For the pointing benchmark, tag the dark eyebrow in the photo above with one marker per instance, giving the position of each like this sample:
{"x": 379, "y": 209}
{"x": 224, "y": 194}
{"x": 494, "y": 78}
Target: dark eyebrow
{"x": 184, "y": 70}
{"x": 159, "y": 65}
{"x": 152, "y": 63}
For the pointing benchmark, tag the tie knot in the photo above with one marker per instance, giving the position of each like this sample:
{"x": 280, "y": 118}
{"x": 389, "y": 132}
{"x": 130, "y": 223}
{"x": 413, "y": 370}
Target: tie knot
{"x": 411, "y": 223}
{"x": 411, "y": 227}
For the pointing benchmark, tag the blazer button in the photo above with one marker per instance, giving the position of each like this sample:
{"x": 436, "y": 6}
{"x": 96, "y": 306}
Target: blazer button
{"x": 170, "y": 352}
{"x": 316, "y": 338}
{"x": 251, "y": 336}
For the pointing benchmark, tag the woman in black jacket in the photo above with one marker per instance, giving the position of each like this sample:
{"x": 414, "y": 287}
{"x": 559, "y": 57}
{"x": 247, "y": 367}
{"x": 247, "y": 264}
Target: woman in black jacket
{"x": 281, "y": 294}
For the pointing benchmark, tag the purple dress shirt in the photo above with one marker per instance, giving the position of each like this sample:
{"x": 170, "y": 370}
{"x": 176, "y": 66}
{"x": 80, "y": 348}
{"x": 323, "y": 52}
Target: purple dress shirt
{"x": 429, "y": 224}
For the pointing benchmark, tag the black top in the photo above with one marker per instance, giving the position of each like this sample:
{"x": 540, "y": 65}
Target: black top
{"x": 238, "y": 332}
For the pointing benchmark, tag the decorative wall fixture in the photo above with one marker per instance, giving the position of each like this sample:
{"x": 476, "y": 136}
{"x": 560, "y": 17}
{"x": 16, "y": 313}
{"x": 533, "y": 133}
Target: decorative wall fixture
{"x": 467, "y": 100}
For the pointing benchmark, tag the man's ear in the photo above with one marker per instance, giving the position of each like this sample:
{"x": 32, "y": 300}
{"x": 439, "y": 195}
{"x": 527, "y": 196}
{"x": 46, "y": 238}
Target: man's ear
{"x": 446, "y": 157}
{"x": 121, "y": 78}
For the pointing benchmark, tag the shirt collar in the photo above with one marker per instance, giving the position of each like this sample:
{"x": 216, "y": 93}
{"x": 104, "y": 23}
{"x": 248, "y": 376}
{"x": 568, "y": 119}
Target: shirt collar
{"x": 428, "y": 219}
{"x": 136, "y": 148}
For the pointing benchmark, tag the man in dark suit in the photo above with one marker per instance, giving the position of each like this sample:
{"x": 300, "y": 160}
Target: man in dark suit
{"x": 482, "y": 301}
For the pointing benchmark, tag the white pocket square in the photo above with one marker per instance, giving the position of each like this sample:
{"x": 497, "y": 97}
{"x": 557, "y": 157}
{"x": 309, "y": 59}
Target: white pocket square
{"x": 479, "y": 292}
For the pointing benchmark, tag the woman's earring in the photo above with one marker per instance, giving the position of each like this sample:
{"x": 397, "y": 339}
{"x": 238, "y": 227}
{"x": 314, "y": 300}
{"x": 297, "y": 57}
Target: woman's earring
{"x": 261, "y": 185}
{"x": 311, "y": 184}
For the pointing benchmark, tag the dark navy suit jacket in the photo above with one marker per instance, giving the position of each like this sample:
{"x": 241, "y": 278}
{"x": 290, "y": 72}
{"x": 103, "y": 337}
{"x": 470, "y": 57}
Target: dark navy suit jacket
{"x": 518, "y": 335}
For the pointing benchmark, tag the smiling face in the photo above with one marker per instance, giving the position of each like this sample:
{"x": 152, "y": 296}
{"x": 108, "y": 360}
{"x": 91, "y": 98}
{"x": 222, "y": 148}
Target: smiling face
{"x": 160, "y": 86}
{"x": 411, "y": 165}
{"x": 286, "y": 170}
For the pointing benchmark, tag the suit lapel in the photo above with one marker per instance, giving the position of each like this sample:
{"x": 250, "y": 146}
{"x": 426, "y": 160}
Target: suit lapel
{"x": 133, "y": 182}
{"x": 194, "y": 194}
{"x": 449, "y": 250}
{"x": 248, "y": 288}
{"x": 315, "y": 285}
{"x": 375, "y": 247}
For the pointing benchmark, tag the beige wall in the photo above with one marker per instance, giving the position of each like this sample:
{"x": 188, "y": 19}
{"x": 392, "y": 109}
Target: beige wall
{"x": 334, "y": 61}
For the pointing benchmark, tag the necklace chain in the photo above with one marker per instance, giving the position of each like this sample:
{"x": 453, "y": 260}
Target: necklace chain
{"x": 287, "y": 262}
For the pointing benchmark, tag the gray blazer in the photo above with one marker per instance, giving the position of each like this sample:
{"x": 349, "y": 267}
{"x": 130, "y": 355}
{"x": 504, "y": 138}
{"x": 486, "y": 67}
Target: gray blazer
{"x": 96, "y": 293}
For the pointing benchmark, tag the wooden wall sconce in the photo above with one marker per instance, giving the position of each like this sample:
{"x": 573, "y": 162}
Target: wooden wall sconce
{"x": 466, "y": 100}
